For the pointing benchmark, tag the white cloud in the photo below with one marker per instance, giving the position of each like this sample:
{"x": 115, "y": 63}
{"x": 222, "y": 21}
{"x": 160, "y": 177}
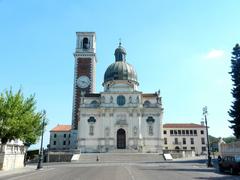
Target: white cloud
{"x": 214, "y": 54}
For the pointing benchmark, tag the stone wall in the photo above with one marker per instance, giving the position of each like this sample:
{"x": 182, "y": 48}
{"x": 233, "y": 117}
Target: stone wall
{"x": 11, "y": 156}
{"x": 59, "y": 156}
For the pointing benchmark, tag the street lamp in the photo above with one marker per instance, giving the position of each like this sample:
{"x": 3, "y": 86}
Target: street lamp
{"x": 39, "y": 166}
{"x": 205, "y": 112}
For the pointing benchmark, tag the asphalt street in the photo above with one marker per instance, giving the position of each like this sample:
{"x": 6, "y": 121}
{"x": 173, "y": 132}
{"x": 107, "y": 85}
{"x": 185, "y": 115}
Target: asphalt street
{"x": 119, "y": 171}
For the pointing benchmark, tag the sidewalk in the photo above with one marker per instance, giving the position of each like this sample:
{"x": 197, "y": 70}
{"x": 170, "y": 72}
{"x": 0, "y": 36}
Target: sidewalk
{"x": 28, "y": 168}
{"x": 191, "y": 158}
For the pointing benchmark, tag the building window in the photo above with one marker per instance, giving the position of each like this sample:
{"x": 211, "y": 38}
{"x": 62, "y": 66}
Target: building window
{"x": 121, "y": 100}
{"x": 91, "y": 130}
{"x": 192, "y": 148}
{"x": 64, "y": 142}
{"x": 150, "y": 130}
{"x": 187, "y": 132}
{"x": 191, "y": 132}
{"x": 176, "y": 141}
{"x": 150, "y": 120}
{"x": 179, "y": 132}
{"x": 164, "y": 132}
{"x": 183, "y": 132}
{"x": 107, "y": 131}
{"x": 91, "y": 120}
{"x": 69, "y": 142}
{"x": 175, "y": 131}
{"x": 192, "y": 141}
{"x": 165, "y": 140}
{"x": 204, "y": 148}
{"x": 94, "y": 104}
{"x": 69, "y": 135}
{"x": 203, "y": 140}
{"x": 184, "y": 140}
{"x": 184, "y": 148}
{"x": 86, "y": 43}
{"x": 54, "y": 142}
{"x": 171, "y": 132}
{"x": 135, "y": 131}
{"x": 202, "y": 131}
{"x": 55, "y": 135}
{"x": 64, "y": 135}
{"x": 195, "y": 132}
{"x": 147, "y": 104}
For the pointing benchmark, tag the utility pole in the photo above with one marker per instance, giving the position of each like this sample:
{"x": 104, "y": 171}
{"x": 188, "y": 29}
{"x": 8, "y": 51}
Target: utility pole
{"x": 205, "y": 112}
{"x": 39, "y": 166}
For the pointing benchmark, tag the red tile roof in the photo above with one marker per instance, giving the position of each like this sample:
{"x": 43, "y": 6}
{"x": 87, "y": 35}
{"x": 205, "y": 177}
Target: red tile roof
{"x": 183, "y": 125}
{"x": 61, "y": 127}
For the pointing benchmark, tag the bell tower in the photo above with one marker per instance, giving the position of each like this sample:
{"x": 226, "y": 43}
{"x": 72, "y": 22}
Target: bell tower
{"x": 84, "y": 71}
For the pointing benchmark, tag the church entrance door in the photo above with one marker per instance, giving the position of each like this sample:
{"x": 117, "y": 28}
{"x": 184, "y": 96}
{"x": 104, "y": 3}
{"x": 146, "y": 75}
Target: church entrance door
{"x": 121, "y": 139}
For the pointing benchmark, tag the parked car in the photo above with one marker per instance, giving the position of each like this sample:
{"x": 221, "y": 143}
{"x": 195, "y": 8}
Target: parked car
{"x": 230, "y": 163}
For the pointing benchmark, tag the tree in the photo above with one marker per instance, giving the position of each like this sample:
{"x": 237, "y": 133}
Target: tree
{"x": 212, "y": 139}
{"x": 19, "y": 118}
{"x": 234, "y": 111}
{"x": 229, "y": 139}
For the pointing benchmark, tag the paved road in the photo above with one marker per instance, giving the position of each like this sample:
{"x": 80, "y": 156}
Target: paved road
{"x": 118, "y": 171}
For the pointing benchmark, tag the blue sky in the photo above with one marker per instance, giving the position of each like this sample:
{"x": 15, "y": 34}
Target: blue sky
{"x": 182, "y": 48}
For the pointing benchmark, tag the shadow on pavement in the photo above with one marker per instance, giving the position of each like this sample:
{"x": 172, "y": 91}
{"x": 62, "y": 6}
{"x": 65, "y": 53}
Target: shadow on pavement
{"x": 179, "y": 169}
{"x": 224, "y": 177}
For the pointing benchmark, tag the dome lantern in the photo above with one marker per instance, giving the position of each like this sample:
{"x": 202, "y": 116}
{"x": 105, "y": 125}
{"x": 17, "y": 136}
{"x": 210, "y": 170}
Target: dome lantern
{"x": 120, "y": 53}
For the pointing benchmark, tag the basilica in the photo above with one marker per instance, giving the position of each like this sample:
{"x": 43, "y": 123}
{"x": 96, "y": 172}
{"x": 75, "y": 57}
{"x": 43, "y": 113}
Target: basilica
{"x": 121, "y": 116}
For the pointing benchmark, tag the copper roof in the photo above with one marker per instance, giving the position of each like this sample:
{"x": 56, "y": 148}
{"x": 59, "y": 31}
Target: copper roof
{"x": 183, "y": 125}
{"x": 61, "y": 127}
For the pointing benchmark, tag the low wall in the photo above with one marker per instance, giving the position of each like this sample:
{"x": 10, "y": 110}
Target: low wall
{"x": 230, "y": 149}
{"x": 59, "y": 156}
{"x": 11, "y": 156}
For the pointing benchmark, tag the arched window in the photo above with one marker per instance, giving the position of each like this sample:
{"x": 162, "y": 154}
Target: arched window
{"x": 121, "y": 100}
{"x": 86, "y": 43}
{"x": 94, "y": 104}
{"x": 146, "y": 104}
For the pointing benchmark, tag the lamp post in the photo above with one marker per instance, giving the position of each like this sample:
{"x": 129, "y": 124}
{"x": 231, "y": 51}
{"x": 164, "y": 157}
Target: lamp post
{"x": 205, "y": 112}
{"x": 39, "y": 166}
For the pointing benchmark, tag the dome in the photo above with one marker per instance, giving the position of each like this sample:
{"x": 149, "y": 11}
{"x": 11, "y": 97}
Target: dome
{"x": 120, "y": 70}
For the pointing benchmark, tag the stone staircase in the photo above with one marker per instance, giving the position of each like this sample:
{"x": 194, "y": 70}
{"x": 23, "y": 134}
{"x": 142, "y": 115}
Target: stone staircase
{"x": 123, "y": 151}
{"x": 119, "y": 157}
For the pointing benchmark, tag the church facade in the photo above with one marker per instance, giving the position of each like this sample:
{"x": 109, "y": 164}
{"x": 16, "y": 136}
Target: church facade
{"x": 119, "y": 117}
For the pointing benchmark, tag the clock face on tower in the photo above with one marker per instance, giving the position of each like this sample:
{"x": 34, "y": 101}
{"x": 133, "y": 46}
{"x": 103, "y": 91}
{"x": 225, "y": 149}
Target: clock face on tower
{"x": 83, "y": 81}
